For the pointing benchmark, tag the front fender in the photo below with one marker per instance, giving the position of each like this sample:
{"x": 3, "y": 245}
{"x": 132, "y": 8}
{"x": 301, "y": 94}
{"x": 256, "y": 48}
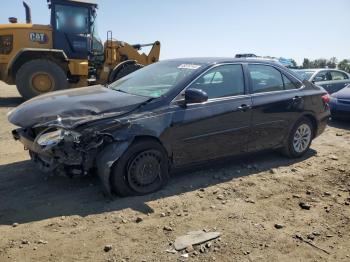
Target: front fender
{"x": 105, "y": 161}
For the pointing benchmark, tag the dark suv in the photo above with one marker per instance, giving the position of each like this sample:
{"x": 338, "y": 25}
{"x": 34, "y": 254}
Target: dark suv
{"x": 169, "y": 114}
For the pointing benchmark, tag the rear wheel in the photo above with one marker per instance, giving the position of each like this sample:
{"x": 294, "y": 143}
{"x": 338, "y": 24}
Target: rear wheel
{"x": 300, "y": 139}
{"x": 142, "y": 169}
{"x": 40, "y": 76}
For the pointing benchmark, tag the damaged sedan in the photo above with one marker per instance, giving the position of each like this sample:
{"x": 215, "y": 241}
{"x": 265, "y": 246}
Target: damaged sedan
{"x": 169, "y": 114}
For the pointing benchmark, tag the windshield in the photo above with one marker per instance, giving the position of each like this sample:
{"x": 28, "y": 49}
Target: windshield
{"x": 155, "y": 80}
{"x": 305, "y": 74}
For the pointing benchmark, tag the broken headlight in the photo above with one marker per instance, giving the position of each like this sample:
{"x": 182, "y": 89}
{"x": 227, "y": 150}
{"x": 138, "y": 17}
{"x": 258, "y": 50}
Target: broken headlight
{"x": 53, "y": 138}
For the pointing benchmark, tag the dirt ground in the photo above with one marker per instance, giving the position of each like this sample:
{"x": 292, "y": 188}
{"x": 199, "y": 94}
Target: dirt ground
{"x": 61, "y": 219}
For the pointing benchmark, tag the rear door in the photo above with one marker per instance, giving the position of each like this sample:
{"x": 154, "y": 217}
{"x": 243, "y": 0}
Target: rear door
{"x": 218, "y": 127}
{"x": 277, "y": 103}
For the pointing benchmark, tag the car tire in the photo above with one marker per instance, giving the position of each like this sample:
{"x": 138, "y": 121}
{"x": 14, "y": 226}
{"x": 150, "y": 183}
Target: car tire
{"x": 40, "y": 76}
{"x": 143, "y": 169}
{"x": 299, "y": 139}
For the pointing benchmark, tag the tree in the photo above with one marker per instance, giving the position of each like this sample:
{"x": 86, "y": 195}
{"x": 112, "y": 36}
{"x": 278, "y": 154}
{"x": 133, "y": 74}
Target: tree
{"x": 306, "y": 63}
{"x": 332, "y": 63}
{"x": 344, "y": 65}
{"x": 320, "y": 63}
{"x": 294, "y": 63}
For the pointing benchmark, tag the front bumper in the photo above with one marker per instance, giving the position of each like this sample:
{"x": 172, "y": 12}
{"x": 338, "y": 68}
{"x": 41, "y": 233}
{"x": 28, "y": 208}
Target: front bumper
{"x": 72, "y": 161}
{"x": 64, "y": 157}
{"x": 26, "y": 137}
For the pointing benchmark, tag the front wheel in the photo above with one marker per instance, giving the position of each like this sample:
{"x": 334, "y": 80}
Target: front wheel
{"x": 143, "y": 169}
{"x": 300, "y": 139}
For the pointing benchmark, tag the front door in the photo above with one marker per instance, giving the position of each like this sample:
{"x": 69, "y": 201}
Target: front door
{"x": 218, "y": 127}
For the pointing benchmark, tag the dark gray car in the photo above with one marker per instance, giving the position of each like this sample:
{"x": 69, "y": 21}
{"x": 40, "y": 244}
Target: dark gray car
{"x": 332, "y": 80}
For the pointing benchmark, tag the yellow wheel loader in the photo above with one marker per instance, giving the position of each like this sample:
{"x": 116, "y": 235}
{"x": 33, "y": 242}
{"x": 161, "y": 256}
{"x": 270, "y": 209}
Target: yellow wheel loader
{"x": 67, "y": 53}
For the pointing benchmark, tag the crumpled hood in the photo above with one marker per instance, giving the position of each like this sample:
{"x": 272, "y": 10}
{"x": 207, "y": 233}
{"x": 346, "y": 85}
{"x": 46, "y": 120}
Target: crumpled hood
{"x": 71, "y": 107}
{"x": 343, "y": 93}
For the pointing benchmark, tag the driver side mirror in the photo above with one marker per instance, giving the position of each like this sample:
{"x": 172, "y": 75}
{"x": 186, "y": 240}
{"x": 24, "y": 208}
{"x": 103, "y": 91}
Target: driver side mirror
{"x": 195, "y": 96}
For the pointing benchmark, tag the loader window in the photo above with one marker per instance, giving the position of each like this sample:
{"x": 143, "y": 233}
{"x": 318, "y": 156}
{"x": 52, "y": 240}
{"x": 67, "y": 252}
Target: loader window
{"x": 72, "y": 20}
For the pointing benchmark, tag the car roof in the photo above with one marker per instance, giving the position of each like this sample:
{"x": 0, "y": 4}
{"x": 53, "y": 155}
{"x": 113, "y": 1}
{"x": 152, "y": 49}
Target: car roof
{"x": 304, "y": 70}
{"x": 220, "y": 60}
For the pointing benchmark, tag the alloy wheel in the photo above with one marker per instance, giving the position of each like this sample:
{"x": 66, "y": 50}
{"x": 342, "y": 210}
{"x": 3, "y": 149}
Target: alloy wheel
{"x": 302, "y": 138}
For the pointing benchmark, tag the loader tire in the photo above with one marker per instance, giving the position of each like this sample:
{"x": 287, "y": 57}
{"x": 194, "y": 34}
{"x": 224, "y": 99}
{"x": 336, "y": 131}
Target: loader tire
{"x": 40, "y": 76}
{"x": 124, "y": 71}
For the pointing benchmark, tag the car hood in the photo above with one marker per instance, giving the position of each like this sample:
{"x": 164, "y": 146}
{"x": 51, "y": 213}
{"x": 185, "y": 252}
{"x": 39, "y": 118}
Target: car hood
{"x": 343, "y": 93}
{"x": 69, "y": 108}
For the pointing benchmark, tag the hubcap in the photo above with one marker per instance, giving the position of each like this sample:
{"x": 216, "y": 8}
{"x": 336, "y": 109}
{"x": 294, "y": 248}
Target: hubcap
{"x": 42, "y": 82}
{"x": 144, "y": 170}
{"x": 302, "y": 138}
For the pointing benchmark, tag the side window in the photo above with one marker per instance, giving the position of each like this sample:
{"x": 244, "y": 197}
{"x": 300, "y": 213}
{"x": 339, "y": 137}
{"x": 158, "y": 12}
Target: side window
{"x": 265, "y": 78}
{"x": 338, "y": 75}
{"x": 213, "y": 78}
{"x": 288, "y": 85}
{"x": 322, "y": 76}
{"x": 222, "y": 81}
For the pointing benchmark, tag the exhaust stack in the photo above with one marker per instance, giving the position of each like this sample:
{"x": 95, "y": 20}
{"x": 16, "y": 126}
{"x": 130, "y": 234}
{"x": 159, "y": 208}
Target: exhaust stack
{"x": 28, "y": 13}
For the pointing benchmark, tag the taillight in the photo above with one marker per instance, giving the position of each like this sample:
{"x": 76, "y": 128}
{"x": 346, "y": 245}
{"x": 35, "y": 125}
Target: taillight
{"x": 326, "y": 98}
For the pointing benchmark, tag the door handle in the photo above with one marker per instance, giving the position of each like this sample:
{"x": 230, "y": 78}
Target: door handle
{"x": 244, "y": 108}
{"x": 297, "y": 98}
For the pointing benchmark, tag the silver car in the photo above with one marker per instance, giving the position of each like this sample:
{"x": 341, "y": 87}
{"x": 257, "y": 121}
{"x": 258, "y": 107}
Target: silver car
{"x": 332, "y": 80}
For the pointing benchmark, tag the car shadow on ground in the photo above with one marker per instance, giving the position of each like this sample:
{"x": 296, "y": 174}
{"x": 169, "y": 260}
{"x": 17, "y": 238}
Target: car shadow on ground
{"x": 28, "y": 196}
{"x": 10, "y": 101}
{"x": 341, "y": 124}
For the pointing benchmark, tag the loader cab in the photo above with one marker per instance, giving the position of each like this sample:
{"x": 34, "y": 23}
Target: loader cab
{"x": 74, "y": 28}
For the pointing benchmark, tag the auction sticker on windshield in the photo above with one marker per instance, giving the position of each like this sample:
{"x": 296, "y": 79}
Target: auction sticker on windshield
{"x": 188, "y": 66}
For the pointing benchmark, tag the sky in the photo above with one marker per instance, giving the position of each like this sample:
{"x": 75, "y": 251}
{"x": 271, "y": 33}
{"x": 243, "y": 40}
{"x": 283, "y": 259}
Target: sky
{"x": 193, "y": 28}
